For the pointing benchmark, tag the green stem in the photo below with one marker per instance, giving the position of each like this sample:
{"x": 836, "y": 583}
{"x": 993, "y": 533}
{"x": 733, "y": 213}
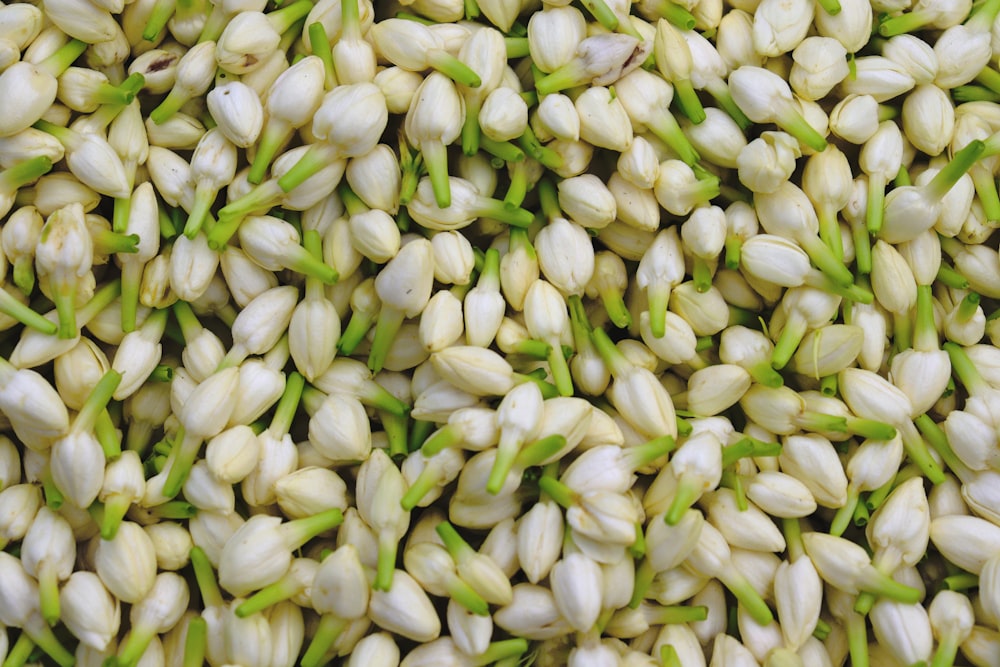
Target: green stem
{"x": 53, "y": 496}
{"x": 748, "y": 597}
{"x": 664, "y": 126}
{"x": 543, "y": 154}
{"x": 453, "y": 68}
{"x": 501, "y": 650}
{"x": 949, "y": 277}
{"x": 870, "y": 428}
{"x": 826, "y": 260}
{"x": 644, "y": 454}
{"x": 558, "y": 491}
{"x": 617, "y": 363}
{"x": 96, "y": 402}
{"x": 320, "y": 44}
{"x": 883, "y": 585}
{"x": 316, "y": 158}
{"x": 355, "y": 332}
{"x": 115, "y": 508}
{"x": 487, "y": 207}
{"x": 288, "y": 405}
{"x": 157, "y": 19}
{"x": 518, "y": 187}
{"x": 211, "y": 596}
{"x": 21, "y": 312}
{"x": 107, "y": 435}
{"x": 46, "y": 640}
{"x": 471, "y": 132}
{"x": 792, "y": 530}
{"x": 600, "y": 11}
{"x": 25, "y": 172}
{"x": 283, "y": 19}
{"x": 464, "y": 595}
{"x": 517, "y": 47}
{"x": 24, "y": 274}
{"x": 677, "y": 15}
{"x": 975, "y": 94}
{"x": 395, "y": 431}
{"x": 389, "y": 321}
{"x": 446, "y": 436}
{"x": 967, "y": 308}
{"x": 669, "y": 657}
{"x": 986, "y": 188}
{"x": 20, "y": 652}
{"x": 857, "y": 639}
{"x": 736, "y": 451}
{"x": 961, "y": 582}
{"x": 195, "y": 642}
{"x": 688, "y": 101}
{"x": 418, "y": 434}
{"x": 791, "y": 121}
{"x": 764, "y": 374}
{"x": 962, "y": 161}
{"x": 560, "y": 371}
{"x": 878, "y": 496}
{"x": 689, "y": 488}
{"x": 936, "y": 437}
{"x": 720, "y": 92}
{"x": 817, "y": 421}
{"x": 63, "y": 57}
{"x": 269, "y": 596}
{"x": 387, "y": 547}
{"x": 862, "y": 247}
{"x": 905, "y": 23}
{"x": 504, "y": 150}
{"x": 829, "y": 231}
{"x": 131, "y": 651}
{"x": 990, "y": 78}
{"x": 175, "y": 510}
{"x": 791, "y": 335}
{"x": 966, "y": 371}
{"x": 428, "y": 478}
{"x": 330, "y": 627}
{"x": 48, "y": 591}
{"x": 570, "y": 75}
{"x": 701, "y": 274}
{"x": 946, "y": 651}
{"x": 435, "y": 156}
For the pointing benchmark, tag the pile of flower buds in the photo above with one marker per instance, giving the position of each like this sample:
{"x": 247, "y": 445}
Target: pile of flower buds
{"x": 471, "y": 332}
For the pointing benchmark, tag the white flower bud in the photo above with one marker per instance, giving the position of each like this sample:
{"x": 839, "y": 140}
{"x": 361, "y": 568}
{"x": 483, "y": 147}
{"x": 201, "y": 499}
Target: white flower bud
{"x": 375, "y": 178}
{"x": 238, "y": 112}
{"x": 781, "y": 495}
{"x": 340, "y": 429}
{"x": 904, "y": 629}
{"x": 127, "y": 563}
{"x": 779, "y": 27}
{"x": 173, "y": 544}
{"x": 879, "y": 77}
{"x": 928, "y": 119}
{"x": 34, "y": 88}
{"x": 603, "y": 119}
{"x": 553, "y": 36}
{"x": 558, "y": 115}
{"x": 89, "y": 611}
{"x": 576, "y": 584}
{"x": 532, "y": 614}
{"x": 915, "y": 55}
{"x": 852, "y": 26}
{"x": 504, "y": 115}
{"x": 405, "y": 609}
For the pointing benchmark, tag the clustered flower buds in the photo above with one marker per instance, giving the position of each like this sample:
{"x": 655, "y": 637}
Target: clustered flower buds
{"x": 496, "y": 332}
